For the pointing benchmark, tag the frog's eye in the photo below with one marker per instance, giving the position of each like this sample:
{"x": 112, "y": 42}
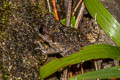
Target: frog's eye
{"x": 41, "y": 30}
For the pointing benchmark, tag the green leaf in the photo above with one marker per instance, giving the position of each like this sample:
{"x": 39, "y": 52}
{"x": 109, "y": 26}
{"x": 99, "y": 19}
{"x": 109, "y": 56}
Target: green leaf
{"x": 86, "y": 53}
{"x": 106, "y": 21}
{"x": 107, "y": 73}
{"x": 72, "y": 21}
{"x": 63, "y": 21}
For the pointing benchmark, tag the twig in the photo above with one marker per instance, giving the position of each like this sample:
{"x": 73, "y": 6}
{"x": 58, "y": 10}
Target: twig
{"x": 70, "y": 74}
{"x": 55, "y": 9}
{"x": 97, "y": 63}
{"x": 75, "y": 9}
{"x": 68, "y": 14}
{"x": 96, "y": 67}
{"x": 116, "y": 62}
{"x": 82, "y": 70}
{"x": 49, "y": 7}
{"x": 65, "y": 4}
{"x": 79, "y": 15}
{"x": 65, "y": 74}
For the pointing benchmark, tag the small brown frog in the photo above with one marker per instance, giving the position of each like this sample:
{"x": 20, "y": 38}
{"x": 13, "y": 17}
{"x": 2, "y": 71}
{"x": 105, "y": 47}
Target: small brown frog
{"x": 61, "y": 39}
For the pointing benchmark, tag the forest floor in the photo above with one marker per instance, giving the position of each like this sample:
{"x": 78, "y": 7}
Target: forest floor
{"x": 19, "y": 58}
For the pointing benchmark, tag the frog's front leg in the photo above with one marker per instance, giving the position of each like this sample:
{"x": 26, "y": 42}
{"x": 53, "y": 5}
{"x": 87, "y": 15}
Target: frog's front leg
{"x": 47, "y": 39}
{"x": 49, "y": 50}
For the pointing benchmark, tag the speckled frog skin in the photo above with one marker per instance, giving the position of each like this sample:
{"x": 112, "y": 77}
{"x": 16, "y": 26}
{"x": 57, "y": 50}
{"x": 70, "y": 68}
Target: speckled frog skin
{"x": 61, "y": 39}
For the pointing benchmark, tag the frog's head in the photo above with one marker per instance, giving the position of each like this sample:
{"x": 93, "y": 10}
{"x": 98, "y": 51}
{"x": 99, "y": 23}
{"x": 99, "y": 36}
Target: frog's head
{"x": 49, "y": 25}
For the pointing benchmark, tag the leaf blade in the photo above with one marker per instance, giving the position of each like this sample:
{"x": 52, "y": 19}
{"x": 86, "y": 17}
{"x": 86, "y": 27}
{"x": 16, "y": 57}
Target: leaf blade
{"x": 107, "y": 73}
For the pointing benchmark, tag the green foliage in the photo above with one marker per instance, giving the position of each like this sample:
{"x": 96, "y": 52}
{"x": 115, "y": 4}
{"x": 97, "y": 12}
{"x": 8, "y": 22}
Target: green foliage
{"x": 72, "y": 21}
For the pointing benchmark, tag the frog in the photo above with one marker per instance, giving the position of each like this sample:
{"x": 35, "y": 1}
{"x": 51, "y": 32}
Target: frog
{"x": 60, "y": 39}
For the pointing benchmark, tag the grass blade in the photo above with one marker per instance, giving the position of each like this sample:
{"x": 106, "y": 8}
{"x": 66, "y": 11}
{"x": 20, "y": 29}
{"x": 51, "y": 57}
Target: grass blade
{"x": 107, "y": 73}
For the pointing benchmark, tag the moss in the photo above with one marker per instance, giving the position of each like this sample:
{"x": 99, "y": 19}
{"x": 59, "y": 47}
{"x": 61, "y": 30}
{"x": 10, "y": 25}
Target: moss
{"x": 4, "y": 13}
{"x": 39, "y": 9}
{"x": 5, "y": 74}
{"x": 20, "y": 52}
{"x": 42, "y": 6}
{"x": 18, "y": 18}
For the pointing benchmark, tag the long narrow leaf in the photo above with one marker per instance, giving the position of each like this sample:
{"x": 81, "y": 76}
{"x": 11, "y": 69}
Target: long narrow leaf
{"x": 106, "y": 21}
{"x": 86, "y": 53}
{"x": 108, "y": 73}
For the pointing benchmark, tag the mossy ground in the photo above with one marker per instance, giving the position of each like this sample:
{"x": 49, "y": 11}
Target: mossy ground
{"x": 18, "y": 56}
